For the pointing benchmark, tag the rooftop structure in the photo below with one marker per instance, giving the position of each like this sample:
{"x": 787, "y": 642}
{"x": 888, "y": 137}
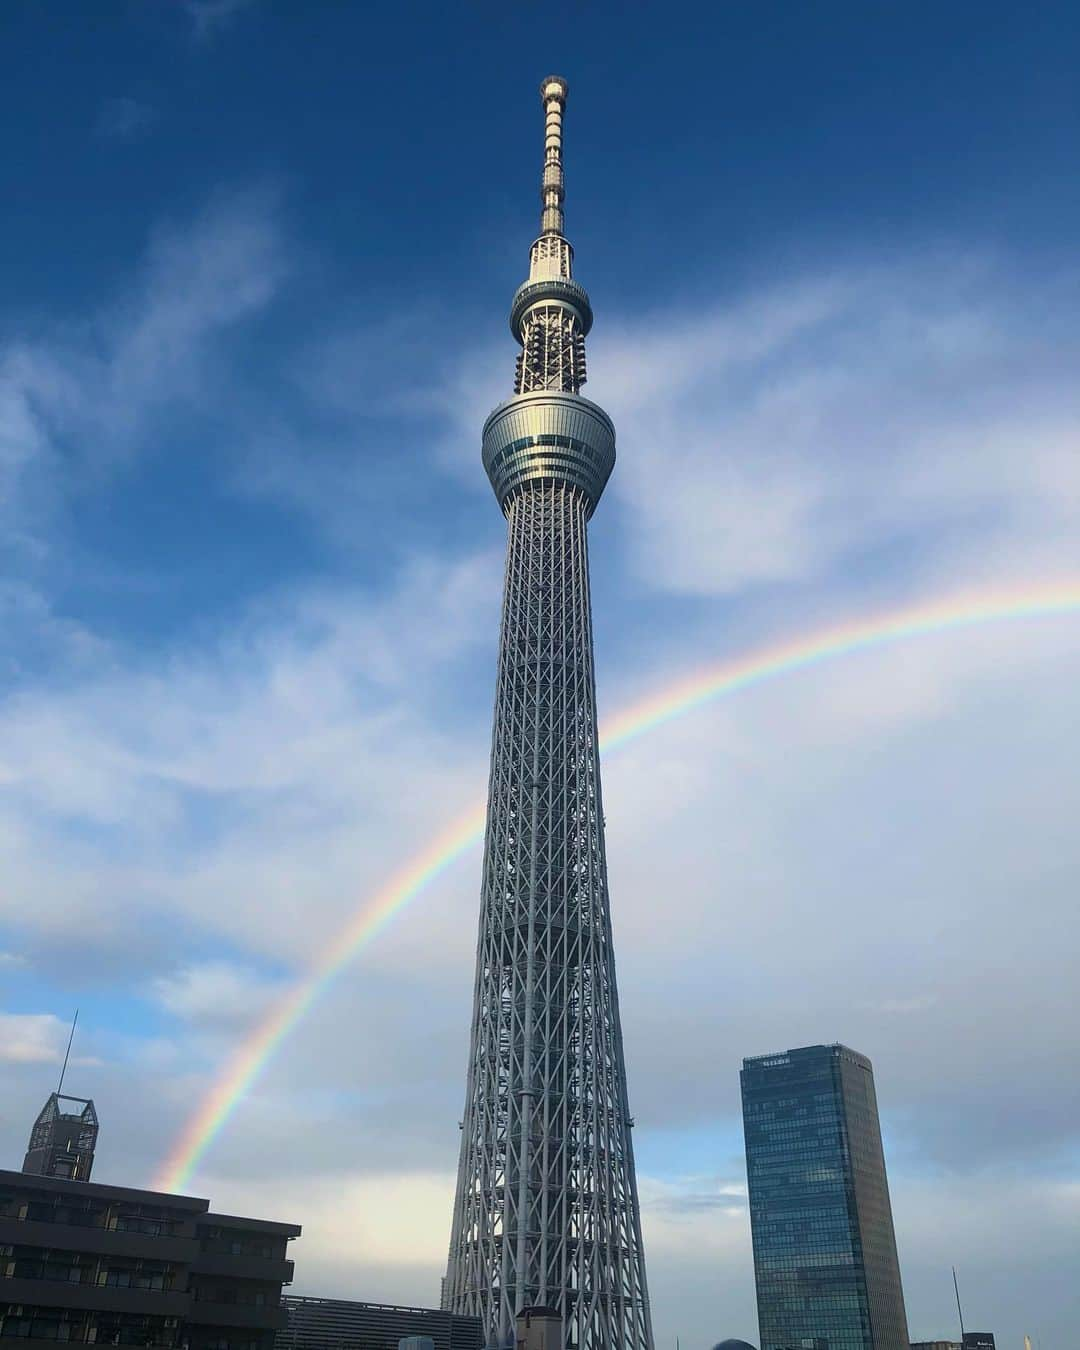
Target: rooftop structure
{"x": 343, "y": 1324}
{"x": 62, "y": 1141}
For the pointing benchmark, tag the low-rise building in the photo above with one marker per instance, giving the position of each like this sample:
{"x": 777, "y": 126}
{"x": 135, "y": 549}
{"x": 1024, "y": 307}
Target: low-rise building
{"x": 341, "y": 1324}
{"x": 93, "y": 1264}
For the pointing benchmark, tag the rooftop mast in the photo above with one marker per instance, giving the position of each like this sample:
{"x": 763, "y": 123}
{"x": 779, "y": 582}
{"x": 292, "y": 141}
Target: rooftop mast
{"x": 67, "y": 1052}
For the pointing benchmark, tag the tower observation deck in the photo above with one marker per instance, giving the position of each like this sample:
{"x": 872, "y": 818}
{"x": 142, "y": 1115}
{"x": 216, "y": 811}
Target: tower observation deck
{"x": 546, "y": 1211}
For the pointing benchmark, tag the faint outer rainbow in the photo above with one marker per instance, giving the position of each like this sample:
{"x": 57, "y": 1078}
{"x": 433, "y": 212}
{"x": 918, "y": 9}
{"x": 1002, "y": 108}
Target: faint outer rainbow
{"x": 672, "y": 701}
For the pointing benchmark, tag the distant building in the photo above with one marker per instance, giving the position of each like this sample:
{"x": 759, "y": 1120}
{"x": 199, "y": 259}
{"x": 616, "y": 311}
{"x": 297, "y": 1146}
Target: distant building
{"x": 936, "y": 1345}
{"x": 979, "y": 1340}
{"x": 825, "y": 1259}
{"x": 733, "y": 1345}
{"x": 62, "y": 1141}
{"x": 341, "y": 1324}
{"x": 539, "y": 1328}
{"x": 107, "y": 1265}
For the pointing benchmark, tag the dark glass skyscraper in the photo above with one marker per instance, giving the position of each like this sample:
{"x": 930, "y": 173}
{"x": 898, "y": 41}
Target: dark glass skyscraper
{"x": 824, "y": 1251}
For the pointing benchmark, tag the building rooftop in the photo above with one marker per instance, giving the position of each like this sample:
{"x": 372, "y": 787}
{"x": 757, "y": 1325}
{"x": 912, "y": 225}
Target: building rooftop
{"x": 194, "y": 1205}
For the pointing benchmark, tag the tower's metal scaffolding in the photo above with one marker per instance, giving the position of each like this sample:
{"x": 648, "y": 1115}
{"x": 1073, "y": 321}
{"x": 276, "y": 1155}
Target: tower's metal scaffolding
{"x": 547, "y": 1208}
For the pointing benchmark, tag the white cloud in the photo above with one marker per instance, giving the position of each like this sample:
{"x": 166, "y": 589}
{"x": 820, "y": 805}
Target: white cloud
{"x": 690, "y": 1195}
{"x": 215, "y": 994}
{"x": 364, "y": 1218}
{"x": 312, "y": 731}
{"x": 807, "y": 429}
{"x": 31, "y": 1038}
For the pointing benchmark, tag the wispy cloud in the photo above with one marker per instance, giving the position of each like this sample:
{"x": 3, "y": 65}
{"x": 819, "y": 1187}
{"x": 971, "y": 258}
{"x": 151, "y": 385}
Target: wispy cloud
{"x": 691, "y": 1194}
{"x": 215, "y": 994}
{"x": 246, "y": 734}
{"x": 912, "y": 416}
{"x": 124, "y": 119}
{"x": 209, "y": 17}
{"x": 31, "y": 1038}
{"x": 76, "y": 398}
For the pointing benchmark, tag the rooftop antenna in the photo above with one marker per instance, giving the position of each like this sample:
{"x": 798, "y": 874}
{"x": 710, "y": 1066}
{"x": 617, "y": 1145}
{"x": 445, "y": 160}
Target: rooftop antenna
{"x": 960, "y": 1310}
{"x": 67, "y": 1053}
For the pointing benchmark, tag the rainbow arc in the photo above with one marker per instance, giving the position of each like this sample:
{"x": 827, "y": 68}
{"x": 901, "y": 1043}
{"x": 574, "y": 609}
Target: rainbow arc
{"x": 675, "y": 699}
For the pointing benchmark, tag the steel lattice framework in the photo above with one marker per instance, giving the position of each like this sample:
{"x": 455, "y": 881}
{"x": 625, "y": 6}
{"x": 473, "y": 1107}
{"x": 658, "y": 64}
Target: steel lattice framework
{"x": 547, "y": 1210}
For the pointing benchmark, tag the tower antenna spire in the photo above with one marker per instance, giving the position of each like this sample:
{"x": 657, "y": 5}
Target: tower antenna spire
{"x": 959, "y": 1310}
{"x": 67, "y": 1053}
{"x": 553, "y": 91}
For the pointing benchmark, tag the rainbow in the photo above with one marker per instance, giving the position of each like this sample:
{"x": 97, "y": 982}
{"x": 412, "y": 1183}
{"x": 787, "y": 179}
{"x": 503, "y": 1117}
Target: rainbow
{"x": 645, "y": 715}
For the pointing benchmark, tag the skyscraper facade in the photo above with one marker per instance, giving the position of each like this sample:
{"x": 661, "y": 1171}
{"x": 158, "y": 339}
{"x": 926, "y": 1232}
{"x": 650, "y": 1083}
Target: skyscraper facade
{"x": 546, "y": 1212}
{"x": 825, "y": 1258}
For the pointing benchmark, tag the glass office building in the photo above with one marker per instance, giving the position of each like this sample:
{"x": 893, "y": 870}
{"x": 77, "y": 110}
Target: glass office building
{"x": 824, "y": 1251}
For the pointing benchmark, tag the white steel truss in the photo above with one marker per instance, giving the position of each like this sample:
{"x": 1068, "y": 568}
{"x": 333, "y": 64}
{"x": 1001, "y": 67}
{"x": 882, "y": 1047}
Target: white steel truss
{"x": 546, "y": 1212}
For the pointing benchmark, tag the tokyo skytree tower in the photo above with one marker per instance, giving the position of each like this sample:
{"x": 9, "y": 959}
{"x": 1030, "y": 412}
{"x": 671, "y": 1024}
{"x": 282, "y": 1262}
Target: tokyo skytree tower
{"x": 546, "y": 1212}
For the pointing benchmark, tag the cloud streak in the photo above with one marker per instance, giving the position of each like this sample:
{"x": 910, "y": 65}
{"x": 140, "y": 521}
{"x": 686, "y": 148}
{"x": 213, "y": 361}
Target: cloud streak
{"x": 124, "y": 119}
{"x": 78, "y": 400}
{"x": 917, "y": 415}
{"x": 210, "y": 17}
{"x": 31, "y": 1038}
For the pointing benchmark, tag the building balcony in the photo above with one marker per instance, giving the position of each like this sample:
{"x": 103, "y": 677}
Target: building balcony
{"x": 99, "y": 1241}
{"x": 95, "y": 1297}
{"x": 270, "y": 1269}
{"x": 270, "y": 1317}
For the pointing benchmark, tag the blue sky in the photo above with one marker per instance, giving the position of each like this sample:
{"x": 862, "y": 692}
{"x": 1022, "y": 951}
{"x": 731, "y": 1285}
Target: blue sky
{"x": 256, "y": 264}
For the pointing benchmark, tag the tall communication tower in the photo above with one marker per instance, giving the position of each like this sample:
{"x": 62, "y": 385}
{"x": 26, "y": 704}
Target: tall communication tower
{"x": 546, "y": 1213}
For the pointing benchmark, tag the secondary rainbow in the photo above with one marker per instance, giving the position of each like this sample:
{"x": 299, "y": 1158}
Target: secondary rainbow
{"x": 673, "y": 700}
